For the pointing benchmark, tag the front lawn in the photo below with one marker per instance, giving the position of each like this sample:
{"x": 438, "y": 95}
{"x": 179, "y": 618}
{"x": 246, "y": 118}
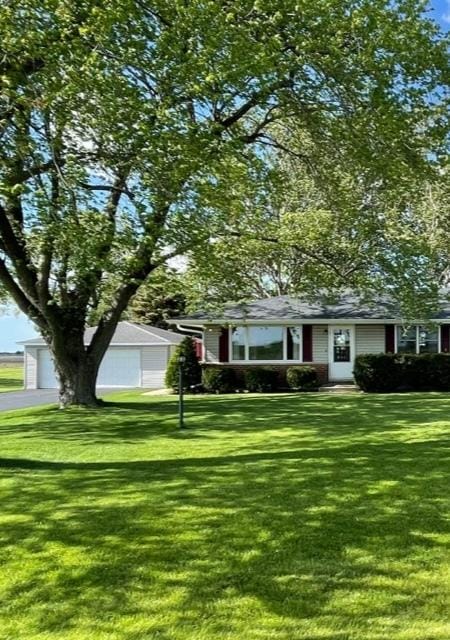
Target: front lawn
{"x": 11, "y": 377}
{"x": 312, "y": 517}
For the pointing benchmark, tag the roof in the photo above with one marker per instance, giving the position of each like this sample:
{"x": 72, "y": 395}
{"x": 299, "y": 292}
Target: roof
{"x": 348, "y": 306}
{"x": 129, "y": 334}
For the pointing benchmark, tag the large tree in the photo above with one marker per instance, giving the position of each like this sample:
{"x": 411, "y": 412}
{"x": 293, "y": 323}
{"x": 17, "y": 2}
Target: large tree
{"x": 117, "y": 115}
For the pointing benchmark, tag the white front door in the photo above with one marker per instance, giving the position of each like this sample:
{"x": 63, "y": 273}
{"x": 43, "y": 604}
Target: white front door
{"x": 341, "y": 349}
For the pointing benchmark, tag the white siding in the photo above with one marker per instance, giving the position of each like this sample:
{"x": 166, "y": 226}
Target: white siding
{"x": 370, "y": 338}
{"x": 30, "y": 368}
{"x": 211, "y": 343}
{"x": 154, "y": 363}
{"x": 320, "y": 343}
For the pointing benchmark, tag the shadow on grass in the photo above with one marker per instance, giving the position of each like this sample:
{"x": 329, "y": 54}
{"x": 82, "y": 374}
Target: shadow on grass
{"x": 311, "y": 541}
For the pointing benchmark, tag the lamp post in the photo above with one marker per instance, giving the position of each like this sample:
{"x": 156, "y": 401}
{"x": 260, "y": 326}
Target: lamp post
{"x": 181, "y": 361}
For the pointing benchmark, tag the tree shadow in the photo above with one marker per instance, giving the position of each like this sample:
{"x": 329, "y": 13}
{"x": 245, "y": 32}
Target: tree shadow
{"x": 315, "y": 543}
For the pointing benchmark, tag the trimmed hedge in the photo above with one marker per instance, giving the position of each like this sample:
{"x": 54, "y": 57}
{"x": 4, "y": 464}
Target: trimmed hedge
{"x": 261, "y": 380}
{"x": 386, "y": 372}
{"x": 217, "y": 380}
{"x": 302, "y": 378}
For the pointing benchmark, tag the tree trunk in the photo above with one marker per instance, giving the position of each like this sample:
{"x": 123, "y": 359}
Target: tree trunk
{"x": 76, "y": 371}
{"x": 77, "y": 385}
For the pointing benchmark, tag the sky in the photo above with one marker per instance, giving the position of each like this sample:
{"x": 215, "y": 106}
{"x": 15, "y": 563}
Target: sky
{"x": 14, "y": 326}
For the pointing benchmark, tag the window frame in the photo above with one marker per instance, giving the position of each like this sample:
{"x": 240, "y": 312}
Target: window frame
{"x": 246, "y": 328}
{"x": 417, "y": 328}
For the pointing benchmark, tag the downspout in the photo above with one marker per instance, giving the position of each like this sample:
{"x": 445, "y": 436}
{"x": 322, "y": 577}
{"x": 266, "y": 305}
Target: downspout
{"x": 193, "y": 331}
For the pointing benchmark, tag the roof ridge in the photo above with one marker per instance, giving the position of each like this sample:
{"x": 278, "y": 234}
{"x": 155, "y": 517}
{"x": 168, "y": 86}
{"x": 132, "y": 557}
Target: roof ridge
{"x": 145, "y": 329}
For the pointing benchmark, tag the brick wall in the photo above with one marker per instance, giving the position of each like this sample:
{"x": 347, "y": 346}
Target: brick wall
{"x": 322, "y": 369}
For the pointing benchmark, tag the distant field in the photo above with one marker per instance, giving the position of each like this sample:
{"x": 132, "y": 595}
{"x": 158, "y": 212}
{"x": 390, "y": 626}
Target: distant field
{"x": 11, "y": 376}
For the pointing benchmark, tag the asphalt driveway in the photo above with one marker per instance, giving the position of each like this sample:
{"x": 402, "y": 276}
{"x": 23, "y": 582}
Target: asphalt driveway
{"x": 10, "y": 400}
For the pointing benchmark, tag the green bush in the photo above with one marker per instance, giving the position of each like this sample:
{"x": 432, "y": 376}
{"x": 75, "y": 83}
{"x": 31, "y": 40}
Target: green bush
{"x": 261, "y": 379}
{"x": 418, "y": 372}
{"x": 378, "y": 372}
{"x": 441, "y": 372}
{"x": 192, "y": 372}
{"x": 217, "y": 380}
{"x": 302, "y": 378}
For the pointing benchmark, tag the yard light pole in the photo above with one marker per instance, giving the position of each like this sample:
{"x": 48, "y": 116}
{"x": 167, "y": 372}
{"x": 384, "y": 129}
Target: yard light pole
{"x": 181, "y": 361}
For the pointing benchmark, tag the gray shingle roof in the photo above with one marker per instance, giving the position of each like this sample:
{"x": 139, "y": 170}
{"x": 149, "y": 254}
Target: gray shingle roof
{"x": 130, "y": 333}
{"x": 348, "y": 306}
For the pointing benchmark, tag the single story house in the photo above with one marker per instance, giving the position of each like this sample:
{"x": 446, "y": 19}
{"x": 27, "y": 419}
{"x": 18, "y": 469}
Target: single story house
{"x": 284, "y": 331}
{"x": 137, "y": 357}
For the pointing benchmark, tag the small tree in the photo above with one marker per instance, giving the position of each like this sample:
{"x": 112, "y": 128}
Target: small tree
{"x": 192, "y": 373}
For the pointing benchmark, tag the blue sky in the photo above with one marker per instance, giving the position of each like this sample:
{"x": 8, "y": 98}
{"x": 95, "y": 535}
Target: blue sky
{"x": 15, "y": 327}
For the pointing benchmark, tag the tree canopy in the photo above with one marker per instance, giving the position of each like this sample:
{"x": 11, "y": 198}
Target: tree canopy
{"x": 121, "y": 119}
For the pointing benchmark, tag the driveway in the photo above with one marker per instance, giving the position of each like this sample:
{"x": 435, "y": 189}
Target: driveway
{"x": 10, "y": 400}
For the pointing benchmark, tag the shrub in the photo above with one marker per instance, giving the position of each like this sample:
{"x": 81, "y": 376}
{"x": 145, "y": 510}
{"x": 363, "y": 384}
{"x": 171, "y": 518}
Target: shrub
{"x": 441, "y": 372}
{"x": 378, "y": 372}
{"x": 418, "y": 372}
{"x": 427, "y": 372}
{"x": 302, "y": 378}
{"x": 217, "y": 380}
{"x": 261, "y": 379}
{"x": 192, "y": 372}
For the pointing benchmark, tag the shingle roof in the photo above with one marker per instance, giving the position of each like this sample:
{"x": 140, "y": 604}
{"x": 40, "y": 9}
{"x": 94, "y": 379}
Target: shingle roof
{"x": 129, "y": 333}
{"x": 348, "y": 306}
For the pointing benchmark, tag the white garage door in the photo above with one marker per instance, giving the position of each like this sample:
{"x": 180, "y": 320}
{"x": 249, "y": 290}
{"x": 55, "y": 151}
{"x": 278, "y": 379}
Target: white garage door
{"x": 46, "y": 371}
{"x": 119, "y": 368}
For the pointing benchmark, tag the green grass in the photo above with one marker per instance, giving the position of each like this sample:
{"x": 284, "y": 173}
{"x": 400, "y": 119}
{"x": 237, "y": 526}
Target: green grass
{"x": 11, "y": 377}
{"x": 308, "y": 517}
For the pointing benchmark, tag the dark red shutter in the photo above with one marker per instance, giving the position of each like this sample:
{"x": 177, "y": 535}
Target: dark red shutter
{"x": 389, "y": 338}
{"x": 223, "y": 345}
{"x": 307, "y": 343}
{"x": 445, "y": 338}
{"x": 198, "y": 348}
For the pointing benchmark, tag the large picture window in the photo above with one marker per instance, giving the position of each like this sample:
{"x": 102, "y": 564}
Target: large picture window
{"x": 266, "y": 343}
{"x": 417, "y": 339}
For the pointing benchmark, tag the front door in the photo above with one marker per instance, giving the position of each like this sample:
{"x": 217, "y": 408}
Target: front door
{"x": 341, "y": 352}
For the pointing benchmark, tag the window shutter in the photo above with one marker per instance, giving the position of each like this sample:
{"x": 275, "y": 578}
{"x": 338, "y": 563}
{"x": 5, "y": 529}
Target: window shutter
{"x": 389, "y": 334}
{"x": 445, "y": 338}
{"x": 307, "y": 343}
{"x": 223, "y": 345}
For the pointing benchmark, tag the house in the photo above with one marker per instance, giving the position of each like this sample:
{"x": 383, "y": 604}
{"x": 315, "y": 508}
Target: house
{"x": 285, "y": 331}
{"x": 137, "y": 357}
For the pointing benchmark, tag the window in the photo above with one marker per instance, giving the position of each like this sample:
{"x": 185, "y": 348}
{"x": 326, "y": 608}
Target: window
{"x": 238, "y": 340}
{"x": 293, "y": 337}
{"x": 406, "y": 339}
{"x": 266, "y": 343}
{"x": 428, "y": 340}
{"x": 417, "y": 339}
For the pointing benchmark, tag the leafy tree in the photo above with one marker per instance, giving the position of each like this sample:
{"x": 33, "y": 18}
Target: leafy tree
{"x": 192, "y": 372}
{"x": 119, "y": 119}
{"x": 158, "y": 300}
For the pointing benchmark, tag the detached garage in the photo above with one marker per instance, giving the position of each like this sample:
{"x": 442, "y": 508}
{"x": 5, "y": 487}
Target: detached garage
{"x": 137, "y": 357}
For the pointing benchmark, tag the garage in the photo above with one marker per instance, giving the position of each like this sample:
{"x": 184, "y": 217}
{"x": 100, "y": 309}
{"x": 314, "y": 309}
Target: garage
{"x": 137, "y": 357}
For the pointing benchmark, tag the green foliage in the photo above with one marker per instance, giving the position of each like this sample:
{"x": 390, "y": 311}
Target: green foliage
{"x": 127, "y": 127}
{"x": 219, "y": 380}
{"x": 378, "y": 372}
{"x": 158, "y": 300}
{"x": 302, "y": 378}
{"x": 191, "y": 368}
{"x": 426, "y": 372}
{"x": 393, "y": 372}
{"x": 261, "y": 379}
